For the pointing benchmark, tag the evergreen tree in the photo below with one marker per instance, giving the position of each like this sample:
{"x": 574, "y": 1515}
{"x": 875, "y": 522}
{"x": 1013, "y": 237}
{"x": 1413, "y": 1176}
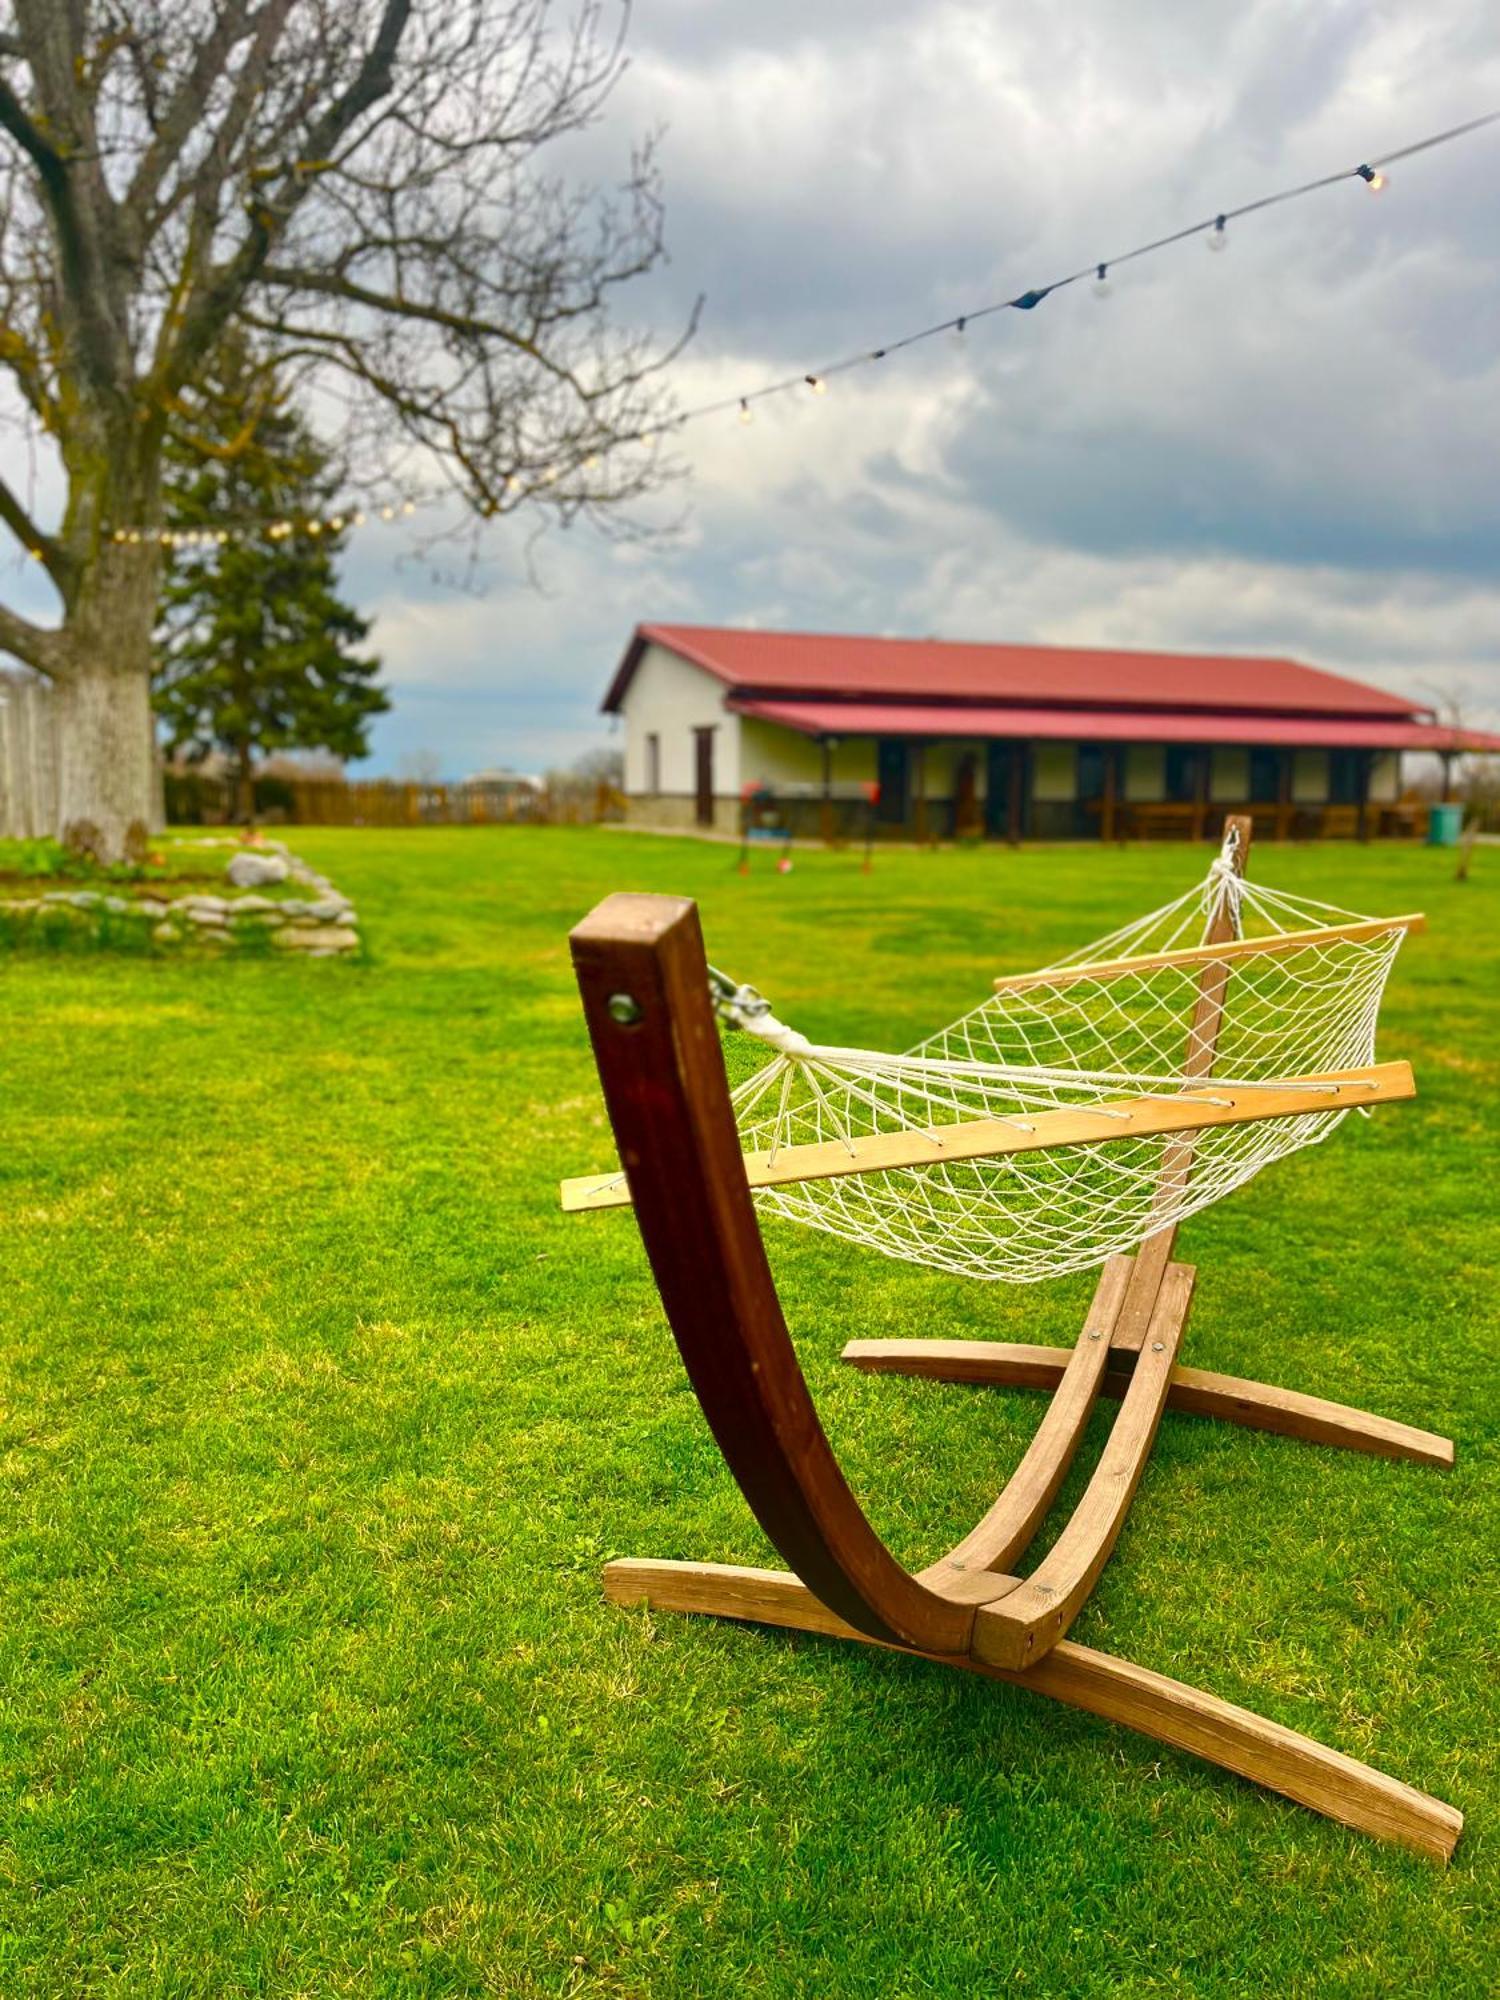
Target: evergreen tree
{"x": 255, "y": 649}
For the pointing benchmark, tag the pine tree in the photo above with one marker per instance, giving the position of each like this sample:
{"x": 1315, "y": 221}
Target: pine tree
{"x": 254, "y": 645}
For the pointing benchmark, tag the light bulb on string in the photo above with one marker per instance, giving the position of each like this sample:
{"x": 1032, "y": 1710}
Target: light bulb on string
{"x": 408, "y": 507}
{"x": 1218, "y": 236}
{"x": 747, "y": 415}
{"x": 816, "y": 383}
{"x": 960, "y": 327}
{"x": 1101, "y": 287}
{"x": 1373, "y": 179}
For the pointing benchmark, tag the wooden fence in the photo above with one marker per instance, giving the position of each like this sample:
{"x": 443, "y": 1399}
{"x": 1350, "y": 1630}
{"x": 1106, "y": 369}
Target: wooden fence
{"x": 196, "y": 799}
{"x": 28, "y": 758}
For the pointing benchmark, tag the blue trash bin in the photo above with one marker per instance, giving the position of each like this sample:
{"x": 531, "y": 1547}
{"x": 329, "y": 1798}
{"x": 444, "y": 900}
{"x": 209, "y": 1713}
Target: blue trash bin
{"x": 1445, "y": 823}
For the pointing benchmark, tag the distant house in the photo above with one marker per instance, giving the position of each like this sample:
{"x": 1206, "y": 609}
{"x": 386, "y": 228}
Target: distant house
{"x": 936, "y": 738}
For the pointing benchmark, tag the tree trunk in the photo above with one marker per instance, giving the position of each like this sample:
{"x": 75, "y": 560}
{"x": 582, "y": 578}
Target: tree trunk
{"x": 244, "y": 803}
{"x": 105, "y": 779}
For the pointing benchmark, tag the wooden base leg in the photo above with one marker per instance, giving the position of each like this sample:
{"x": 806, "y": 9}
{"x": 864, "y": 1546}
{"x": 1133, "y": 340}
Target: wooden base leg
{"x": 1197, "y": 1391}
{"x": 1280, "y": 1759}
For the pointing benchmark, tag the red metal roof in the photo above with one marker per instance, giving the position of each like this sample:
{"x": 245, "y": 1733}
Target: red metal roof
{"x": 806, "y": 664}
{"x": 1105, "y": 725}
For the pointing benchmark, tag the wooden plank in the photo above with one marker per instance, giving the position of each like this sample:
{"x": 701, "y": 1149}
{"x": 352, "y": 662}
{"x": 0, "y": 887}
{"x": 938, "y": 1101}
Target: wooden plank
{"x": 1006, "y": 1531}
{"x": 1280, "y": 1759}
{"x": 981, "y": 1138}
{"x": 1200, "y": 1392}
{"x": 1201, "y": 954}
{"x": 644, "y": 982}
{"x": 1020, "y": 1628}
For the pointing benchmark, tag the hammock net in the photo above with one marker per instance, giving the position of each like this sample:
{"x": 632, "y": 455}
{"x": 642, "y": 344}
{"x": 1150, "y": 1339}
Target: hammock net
{"x": 1067, "y": 1039}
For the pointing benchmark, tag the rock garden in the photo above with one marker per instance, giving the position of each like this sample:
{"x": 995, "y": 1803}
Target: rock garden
{"x": 210, "y": 894}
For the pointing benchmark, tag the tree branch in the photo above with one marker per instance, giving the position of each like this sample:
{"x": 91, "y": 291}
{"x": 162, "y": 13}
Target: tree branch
{"x": 32, "y": 644}
{"x": 85, "y": 283}
{"x": 177, "y": 122}
{"x": 467, "y": 324}
{"x": 206, "y": 316}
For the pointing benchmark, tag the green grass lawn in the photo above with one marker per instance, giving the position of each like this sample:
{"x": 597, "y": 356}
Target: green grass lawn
{"x": 319, "y": 1420}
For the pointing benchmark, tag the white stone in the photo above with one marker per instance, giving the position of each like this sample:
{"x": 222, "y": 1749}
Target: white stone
{"x": 249, "y": 870}
{"x": 322, "y": 938}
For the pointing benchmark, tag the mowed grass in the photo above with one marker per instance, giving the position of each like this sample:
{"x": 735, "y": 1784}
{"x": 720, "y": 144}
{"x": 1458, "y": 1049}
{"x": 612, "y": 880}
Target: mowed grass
{"x": 320, "y": 1419}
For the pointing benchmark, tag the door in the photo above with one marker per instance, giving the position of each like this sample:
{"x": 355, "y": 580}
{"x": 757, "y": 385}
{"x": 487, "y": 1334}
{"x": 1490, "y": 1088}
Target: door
{"x": 999, "y": 759}
{"x": 1088, "y": 811}
{"x": 893, "y": 774}
{"x": 703, "y": 768}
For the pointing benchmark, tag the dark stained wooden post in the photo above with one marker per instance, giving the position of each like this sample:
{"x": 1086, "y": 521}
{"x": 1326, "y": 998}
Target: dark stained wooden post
{"x": 644, "y": 980}
{"x": 919, "y": 792}
{"x": 1107, "y": 822}
{"x": 1362, "y": 824}
{"x": 826, "y": 815}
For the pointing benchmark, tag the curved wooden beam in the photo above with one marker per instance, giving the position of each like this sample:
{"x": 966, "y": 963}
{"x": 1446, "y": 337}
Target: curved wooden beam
{"x": 1007, "y": 1529}
{"x": 1024, "y": 1625}
{"x": 1199, "y": 1392}
{"x": 644, "y": 980}
{"x": 1281, "y": 1759}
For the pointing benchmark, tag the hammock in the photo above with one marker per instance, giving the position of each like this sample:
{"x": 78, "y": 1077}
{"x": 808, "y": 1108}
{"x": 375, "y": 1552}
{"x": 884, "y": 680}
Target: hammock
{"x": 1079, "y": 1111}
{"x": 1239, "y": 1016}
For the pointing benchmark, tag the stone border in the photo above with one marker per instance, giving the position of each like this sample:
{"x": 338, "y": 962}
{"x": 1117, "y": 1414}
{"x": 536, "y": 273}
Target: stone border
{"x": 324, "y": 925}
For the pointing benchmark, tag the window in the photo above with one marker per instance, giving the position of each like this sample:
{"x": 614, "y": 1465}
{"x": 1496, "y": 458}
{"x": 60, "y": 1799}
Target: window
{"x": 653, "y": 762}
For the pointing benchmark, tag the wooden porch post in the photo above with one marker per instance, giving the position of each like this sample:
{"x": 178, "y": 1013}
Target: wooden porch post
{"x": 1362, "y": 823}
{"x": 1283, "y": 794}
{"x": 1107, "y": 820}
{"x": 826, "y": 814}
{"x": 919, "y": 793}
{"x": 1200, "y": 790}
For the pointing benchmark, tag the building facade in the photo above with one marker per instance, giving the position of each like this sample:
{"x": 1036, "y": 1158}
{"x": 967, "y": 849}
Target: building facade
{"x": 837, "y": 735}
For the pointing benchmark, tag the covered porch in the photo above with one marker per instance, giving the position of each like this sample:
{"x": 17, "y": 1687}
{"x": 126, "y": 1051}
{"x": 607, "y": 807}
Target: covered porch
{"x": 894, "y": 771}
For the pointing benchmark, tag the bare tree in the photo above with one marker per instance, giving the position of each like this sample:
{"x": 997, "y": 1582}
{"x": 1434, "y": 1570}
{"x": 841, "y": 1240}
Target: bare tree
{"x": 355, "y": 185}
{"x": 419, "y": 767}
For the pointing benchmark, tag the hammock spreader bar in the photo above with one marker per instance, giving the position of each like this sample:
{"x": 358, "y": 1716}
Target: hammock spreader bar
{"x": 1209, "y": 954}
{"x": 1093, "y": 1125}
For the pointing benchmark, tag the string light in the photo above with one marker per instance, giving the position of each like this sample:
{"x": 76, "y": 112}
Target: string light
{"x": 1214, "y": 231}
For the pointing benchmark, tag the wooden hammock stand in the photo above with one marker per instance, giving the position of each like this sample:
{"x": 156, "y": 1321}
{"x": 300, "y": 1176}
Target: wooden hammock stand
{"x": 644, "y": 980}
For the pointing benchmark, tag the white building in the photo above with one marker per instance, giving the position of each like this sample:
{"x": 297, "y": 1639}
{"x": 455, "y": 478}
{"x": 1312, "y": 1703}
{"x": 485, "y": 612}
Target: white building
{"x": 933, "y": 738}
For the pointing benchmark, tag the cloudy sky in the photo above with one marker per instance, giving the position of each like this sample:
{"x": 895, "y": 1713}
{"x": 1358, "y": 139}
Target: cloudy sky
{"x": 1291, "y": 447}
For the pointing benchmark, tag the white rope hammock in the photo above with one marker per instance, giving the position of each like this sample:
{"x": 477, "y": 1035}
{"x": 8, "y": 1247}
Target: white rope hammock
{"x": 1071, "y": 1038}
